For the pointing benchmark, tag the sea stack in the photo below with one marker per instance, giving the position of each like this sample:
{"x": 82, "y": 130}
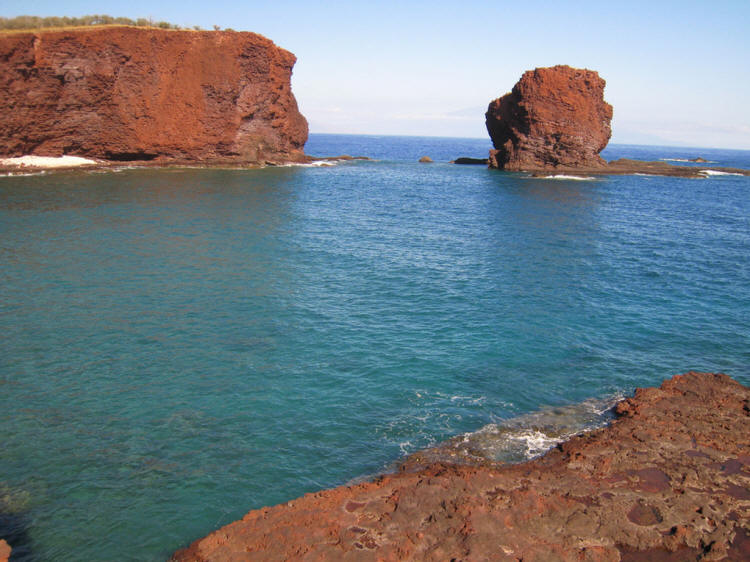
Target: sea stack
{"x": 553, "y": 118}
{"x": 131, "y": 94}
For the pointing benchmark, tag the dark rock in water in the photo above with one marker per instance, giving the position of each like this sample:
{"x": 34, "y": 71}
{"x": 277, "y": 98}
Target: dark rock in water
{"x": 149, "y": 95}
{"x": 425, "y": 160}
{"x": 661, "y": 482}
{"x": 470, "y": 161}
{"x": 553, "y": 117}
{"x": 698, "y": 159}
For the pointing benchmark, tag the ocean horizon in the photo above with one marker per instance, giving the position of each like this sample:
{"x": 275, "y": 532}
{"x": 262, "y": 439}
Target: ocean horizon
{"x": 183, "y": 345}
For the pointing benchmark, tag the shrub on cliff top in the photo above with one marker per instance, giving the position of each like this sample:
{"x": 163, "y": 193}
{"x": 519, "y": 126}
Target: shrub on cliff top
{"x": 37, "y": 22}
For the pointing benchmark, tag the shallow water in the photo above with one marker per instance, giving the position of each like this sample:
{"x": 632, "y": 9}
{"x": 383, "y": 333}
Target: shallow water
{"x": 180, "y": 346}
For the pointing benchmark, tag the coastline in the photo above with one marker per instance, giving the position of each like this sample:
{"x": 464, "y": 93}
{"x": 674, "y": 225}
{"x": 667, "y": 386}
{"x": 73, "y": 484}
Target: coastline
{"x": 27, "y": 165}
{"x": 31, "y": 164}
{"x": 631, "y": 167}
{"x": 666, "y": 480}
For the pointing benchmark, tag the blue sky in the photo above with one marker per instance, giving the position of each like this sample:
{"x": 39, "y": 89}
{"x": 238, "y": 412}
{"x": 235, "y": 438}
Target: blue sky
{"x": 677, "y": 72}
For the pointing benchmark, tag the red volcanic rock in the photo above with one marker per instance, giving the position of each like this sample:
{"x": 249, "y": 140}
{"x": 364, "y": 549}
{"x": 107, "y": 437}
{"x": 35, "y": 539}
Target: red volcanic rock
{"x": 554, "y": 117}
{"x": 141, "y": 94}
{"x": 669, "y": 479}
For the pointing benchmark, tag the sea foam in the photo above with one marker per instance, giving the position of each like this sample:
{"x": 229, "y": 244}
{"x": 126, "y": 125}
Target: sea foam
{"x": 567, "y": 177}
{"x": 47, "y": 161}
{"x": 718, "y": 173}
{"x": 526, "y": 436}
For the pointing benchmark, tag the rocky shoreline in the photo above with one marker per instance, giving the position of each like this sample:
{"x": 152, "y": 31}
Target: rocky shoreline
{"x": 302, "y": 160}
{"x": 622, "y": 166}
{"x": 668, "y": 480}
{"x": 625, "y": 166}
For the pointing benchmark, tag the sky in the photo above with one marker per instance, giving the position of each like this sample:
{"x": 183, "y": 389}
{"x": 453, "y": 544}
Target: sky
{"x": 678, "y": 73}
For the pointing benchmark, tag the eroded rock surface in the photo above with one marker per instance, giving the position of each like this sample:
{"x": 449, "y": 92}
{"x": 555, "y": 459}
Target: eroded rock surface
{"x": 553, "y": 117}
{"x": 669, "y": 479}
{"x": 132, "y": 94}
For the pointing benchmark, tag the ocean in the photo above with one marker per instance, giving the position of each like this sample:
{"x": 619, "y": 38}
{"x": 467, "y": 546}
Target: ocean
{"x": 180, "y": 346}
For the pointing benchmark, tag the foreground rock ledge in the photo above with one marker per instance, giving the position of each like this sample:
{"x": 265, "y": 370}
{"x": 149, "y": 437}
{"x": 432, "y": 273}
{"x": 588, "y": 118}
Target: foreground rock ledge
{"x": 669, "y": 479}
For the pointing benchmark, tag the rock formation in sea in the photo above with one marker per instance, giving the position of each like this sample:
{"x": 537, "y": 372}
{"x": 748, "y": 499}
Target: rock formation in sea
{"x": 553, "y": 117}
{"x": 669, "y": 480}
{"x": 133, "y": 94}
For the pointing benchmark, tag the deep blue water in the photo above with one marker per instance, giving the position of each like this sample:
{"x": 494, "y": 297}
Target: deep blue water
{"x": 181, "y": 346}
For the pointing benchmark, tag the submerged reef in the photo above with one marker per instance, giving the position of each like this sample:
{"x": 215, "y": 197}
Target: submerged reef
{"x": 668, "y": 479}
{"x": 127, "y": 94}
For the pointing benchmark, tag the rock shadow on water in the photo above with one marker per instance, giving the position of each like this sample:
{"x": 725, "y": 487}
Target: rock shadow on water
{"x": 14, "y": 529}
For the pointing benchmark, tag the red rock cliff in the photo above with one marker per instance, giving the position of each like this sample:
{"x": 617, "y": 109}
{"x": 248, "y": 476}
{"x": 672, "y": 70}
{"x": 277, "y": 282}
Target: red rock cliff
{"x": 125, "y": 93}
{"x": 554, "y": 117}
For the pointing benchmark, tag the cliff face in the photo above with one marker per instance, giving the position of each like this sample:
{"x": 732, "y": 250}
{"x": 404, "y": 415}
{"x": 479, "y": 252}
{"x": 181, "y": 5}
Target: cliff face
{"x": 141, "y": 94}
{"x": 668, "y": 480}
{"x": 553, "y": 117}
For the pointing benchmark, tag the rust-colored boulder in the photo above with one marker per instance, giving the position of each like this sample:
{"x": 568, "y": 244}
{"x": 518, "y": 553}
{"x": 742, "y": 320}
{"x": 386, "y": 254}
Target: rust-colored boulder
{"x": 554, "y": 117}
{"x": 4, "y": 551}
{"x": 668, "y": 480}
{"x": 128, "y": 94}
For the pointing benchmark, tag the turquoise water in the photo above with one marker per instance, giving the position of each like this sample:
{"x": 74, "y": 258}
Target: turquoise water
{"x": 181, "y": 346}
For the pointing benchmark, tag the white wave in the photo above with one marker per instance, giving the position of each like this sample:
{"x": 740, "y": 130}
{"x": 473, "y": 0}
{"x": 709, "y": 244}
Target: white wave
{"x": 535, "y": 442}
{"x": 405, "y": 447}
{"x": 565, "y": 177}
{"x": 315, "y": 164}
{"x": 718, "y": 173}
{"x": 47, "y": 161}
{"x": 530, "y": 435}
{"x": 22, "y": 174}
{"x": 319, "y": 164}
{"x": 468, "y": 400}
{"x": 692, "y": 160}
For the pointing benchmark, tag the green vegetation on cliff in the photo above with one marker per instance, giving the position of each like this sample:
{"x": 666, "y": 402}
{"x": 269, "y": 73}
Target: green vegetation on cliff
{"x": 37, "y": 22}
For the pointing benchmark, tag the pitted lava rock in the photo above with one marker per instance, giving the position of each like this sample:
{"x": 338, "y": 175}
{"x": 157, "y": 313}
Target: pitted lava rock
{"x": 659, "y": 483}
{"x": 131, "y": 94}
{"x": 554, "y": 117}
